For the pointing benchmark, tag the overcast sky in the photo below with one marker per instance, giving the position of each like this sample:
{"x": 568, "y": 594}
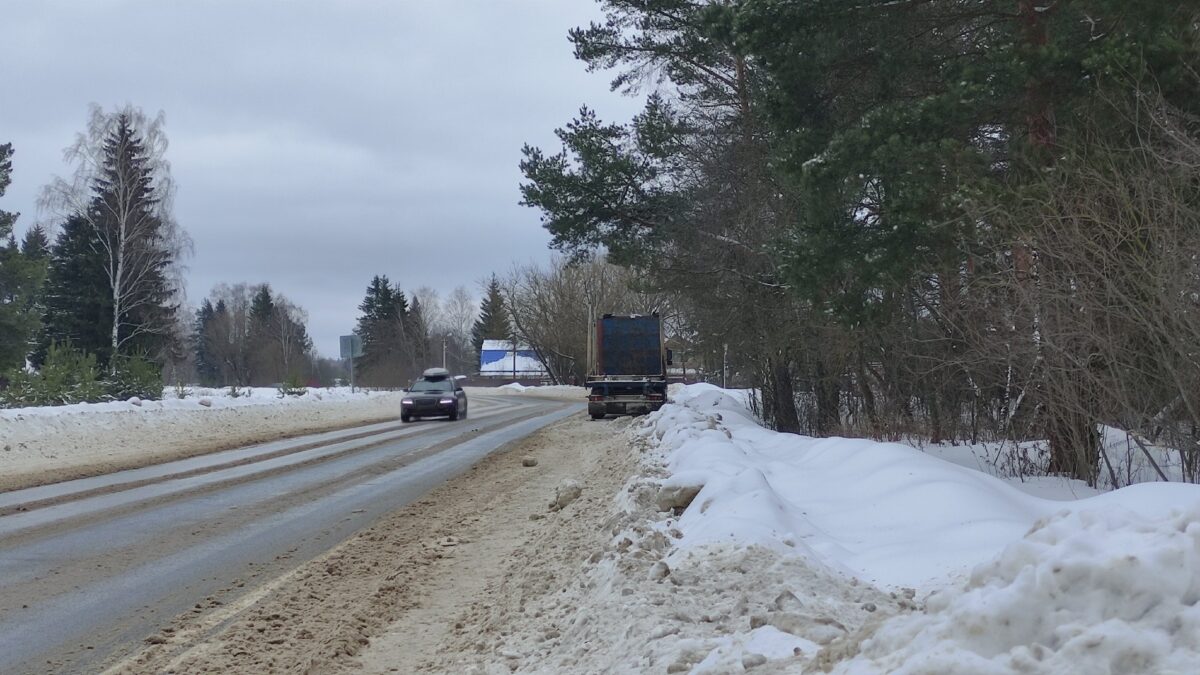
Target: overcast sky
{"x": 314, "y": 144}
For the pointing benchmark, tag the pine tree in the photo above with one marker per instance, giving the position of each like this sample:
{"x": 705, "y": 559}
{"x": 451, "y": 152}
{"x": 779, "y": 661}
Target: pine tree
{"x": 493, "y": 323}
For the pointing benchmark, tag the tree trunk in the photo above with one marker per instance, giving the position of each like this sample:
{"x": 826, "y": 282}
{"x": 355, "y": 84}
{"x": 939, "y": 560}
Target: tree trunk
{"x": 828, "y": 398}
{"x": 783, "y": 397}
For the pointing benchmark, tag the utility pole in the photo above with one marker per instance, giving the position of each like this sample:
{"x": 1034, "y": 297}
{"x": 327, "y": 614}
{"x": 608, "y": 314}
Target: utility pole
{"x": 443, "y": 351}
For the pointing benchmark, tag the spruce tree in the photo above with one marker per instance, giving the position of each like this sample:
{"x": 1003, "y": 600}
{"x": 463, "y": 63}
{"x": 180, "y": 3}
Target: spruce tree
{"x": 6, "y": 219}
{"x": 493, "y": 323}
{"x": 130, "y": 223}
{"x": 259, "y": 337}
{"x": 381, "y": 327}
{"x": 19, "y": 282}
{"x": 123, "y": 223}
{"x": 36, "y": 245}
{"x": 78, "y": 307}
{"x": 208, "y": 367}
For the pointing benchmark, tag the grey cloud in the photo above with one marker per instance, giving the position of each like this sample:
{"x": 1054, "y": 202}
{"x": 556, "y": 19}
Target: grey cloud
{"x": 315, "y": 144}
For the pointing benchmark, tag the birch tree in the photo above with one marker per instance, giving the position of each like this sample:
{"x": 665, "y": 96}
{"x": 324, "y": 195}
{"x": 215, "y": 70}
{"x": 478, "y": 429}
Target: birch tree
{"x": 122, "y": 189}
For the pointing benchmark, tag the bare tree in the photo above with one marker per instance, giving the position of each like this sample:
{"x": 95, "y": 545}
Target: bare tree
{"x": 552, "y": 308}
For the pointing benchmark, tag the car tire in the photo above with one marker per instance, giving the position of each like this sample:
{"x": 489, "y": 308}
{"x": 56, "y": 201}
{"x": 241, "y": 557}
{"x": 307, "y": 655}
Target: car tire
{"x": 405, "y": 417}
{"x": 454, "y": 415}
{"x": 597, "y": 416}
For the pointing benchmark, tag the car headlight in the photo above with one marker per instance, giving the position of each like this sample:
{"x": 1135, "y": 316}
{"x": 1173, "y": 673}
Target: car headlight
{"x": 446, "y": 400}
{"x": 406, "y": 401}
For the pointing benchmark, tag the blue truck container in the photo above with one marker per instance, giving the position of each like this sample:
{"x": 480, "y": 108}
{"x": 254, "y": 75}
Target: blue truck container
{"x": 629, "y": 366}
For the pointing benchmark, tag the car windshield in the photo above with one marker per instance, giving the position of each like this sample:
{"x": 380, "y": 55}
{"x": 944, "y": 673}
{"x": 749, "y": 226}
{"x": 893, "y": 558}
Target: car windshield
{"x": 435, "y": 385}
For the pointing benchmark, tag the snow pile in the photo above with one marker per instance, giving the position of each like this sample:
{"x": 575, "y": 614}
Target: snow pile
{"x": 47, "y": 443}
{"x": 865, "y": 508}
{"x": 1084, "y": 592}
{"x": 507, "y": 363}
{"x": 1125, "y": 562}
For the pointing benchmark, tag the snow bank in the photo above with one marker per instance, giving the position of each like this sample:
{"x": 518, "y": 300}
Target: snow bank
{"x": 1084, "y": 592}
{"x": 1020, "y": 583}
{"x": 885, "y": 512}
{"x": 506, "y": 363}
{"x": 38, "y": 444}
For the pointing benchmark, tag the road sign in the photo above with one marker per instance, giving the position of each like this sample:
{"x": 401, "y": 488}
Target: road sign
{"x": 351, "y": 346}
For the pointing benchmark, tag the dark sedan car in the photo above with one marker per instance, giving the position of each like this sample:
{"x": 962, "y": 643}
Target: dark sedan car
{"x": 434, "y": 394}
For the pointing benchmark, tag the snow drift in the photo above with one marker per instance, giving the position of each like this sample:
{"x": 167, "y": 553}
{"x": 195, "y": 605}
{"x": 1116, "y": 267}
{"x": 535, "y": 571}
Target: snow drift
{"x": 1012, "y": 582}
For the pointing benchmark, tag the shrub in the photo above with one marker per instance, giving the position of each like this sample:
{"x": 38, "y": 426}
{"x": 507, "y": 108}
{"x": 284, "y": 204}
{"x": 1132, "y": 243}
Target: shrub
{"x": 293, "y": 386}
{"x": 67, "y": 376}
{"x": 135, "y": 376}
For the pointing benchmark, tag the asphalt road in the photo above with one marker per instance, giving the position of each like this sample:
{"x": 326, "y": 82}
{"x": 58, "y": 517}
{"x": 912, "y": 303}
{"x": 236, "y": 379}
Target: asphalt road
{"x": 91, "y": 569}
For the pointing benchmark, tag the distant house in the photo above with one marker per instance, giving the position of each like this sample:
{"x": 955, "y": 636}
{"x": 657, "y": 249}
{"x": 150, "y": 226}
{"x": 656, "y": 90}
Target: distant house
{"x": 498, "y": 358}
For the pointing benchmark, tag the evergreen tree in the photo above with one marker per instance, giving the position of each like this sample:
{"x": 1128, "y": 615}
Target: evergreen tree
{"x": 36, "y": 245}
{"x": 130, "y": 223}
{"x": 260, "y": 345}
{"x": 208, "y": 367}
{"x": 78, "y": 306}
{"x": 6, "y": 219}
{"x": 493, "y": 323}
{"x": 386, "y": 358}
{"x": 20, "y": 283}
{"x": 121, "y": 193}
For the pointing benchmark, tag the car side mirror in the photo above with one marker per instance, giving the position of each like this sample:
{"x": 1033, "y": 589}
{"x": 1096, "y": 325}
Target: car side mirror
{"x": 458, "y": 389}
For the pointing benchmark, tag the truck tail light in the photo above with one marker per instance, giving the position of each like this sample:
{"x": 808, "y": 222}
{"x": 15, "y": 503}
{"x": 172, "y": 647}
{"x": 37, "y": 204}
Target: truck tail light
{"x": 595, "y": 397}
{"x": 654, "y": 397}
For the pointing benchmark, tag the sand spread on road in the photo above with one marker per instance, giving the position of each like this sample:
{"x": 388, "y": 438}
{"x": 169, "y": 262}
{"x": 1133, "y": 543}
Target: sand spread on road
{"x": 398, "y": 585}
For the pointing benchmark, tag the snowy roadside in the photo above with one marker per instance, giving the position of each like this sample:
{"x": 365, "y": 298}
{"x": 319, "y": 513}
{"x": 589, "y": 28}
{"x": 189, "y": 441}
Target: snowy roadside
{"x": 556, "y": 391}
{"x": 43, "y": 444}
{"x": 737, "y": 548}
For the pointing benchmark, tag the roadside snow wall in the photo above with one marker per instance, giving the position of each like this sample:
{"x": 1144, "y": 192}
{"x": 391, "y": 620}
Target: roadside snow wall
{"x": 44, "y": 444}
{"x": 1009, "y": 582}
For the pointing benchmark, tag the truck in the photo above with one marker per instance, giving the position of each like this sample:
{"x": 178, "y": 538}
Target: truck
{"x": 628, "y": 365}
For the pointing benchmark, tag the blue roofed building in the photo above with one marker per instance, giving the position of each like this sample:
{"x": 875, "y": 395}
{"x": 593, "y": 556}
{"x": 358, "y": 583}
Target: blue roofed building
{"x": 499, "y": 359}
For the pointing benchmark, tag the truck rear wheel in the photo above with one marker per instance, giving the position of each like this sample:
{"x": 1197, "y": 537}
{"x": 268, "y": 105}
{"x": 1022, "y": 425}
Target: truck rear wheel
{"x": 597, "y": 416}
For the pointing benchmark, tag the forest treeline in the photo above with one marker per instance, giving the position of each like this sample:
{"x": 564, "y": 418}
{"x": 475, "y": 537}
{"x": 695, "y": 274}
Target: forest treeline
{"x": 92, "y": 307}
{"x": 956, "y": 219}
